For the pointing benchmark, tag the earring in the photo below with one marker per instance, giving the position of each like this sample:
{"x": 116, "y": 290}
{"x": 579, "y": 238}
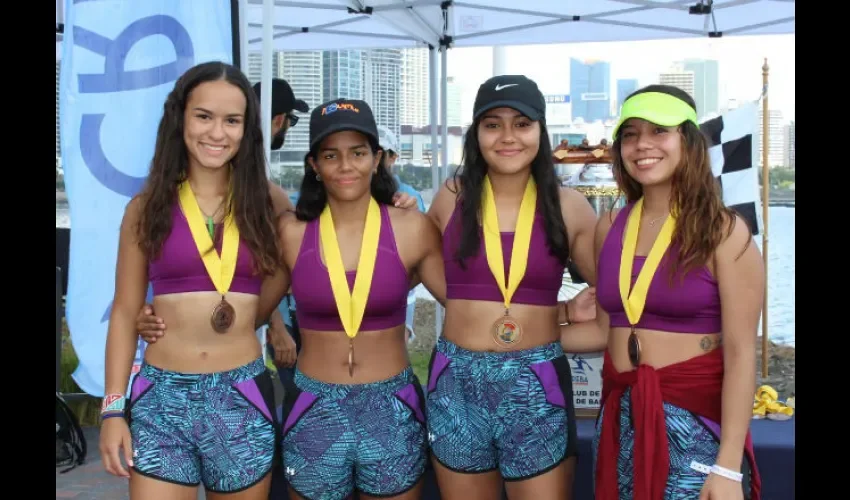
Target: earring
{"x": 318, "y": 177}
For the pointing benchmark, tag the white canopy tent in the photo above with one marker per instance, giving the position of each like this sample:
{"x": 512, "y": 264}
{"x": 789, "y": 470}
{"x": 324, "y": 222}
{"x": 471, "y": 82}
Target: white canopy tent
{"x": 442, "y": 24}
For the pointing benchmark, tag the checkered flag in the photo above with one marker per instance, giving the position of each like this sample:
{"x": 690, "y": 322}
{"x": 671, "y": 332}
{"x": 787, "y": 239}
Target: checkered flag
{"x": 731, "y": 149}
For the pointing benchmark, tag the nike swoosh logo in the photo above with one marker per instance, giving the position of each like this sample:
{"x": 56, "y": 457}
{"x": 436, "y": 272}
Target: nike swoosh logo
{"x": 500, "y": 87}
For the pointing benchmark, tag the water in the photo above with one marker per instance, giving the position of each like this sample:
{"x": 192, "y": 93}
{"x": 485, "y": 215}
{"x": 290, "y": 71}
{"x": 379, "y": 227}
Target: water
{"x": 781, "y": 273}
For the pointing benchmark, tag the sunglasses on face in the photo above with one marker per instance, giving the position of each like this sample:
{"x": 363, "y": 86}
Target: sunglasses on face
{"x": 293, "y": 119}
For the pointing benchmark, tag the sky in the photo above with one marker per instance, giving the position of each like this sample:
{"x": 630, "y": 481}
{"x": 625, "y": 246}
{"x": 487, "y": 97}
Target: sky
{"x": 740, "y": 62}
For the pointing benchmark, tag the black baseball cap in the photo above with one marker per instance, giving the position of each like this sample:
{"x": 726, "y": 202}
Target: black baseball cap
{"x": 342, "y": 114}
{"x": 283, "y": 99}
{"x": 510, "y": 91}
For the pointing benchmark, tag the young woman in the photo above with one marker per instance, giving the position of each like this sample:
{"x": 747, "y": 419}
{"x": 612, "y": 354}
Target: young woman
{"x": 354, "y": 414}
{"x": 680, "y": 289}
{"x": 202, "y": 232}
{"x": 499, "y": 394}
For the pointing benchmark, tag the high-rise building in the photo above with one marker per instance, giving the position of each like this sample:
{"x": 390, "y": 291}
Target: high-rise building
{"x": 303, "y": 71}
{"x": 679, "y": 77}
{"x": 625, "y": 86}
{"x": 342, "y": 74}
{"x": 454, "y": 111}
{"x": 415, "y": 97}
{"x": 776, "y": 136}
{"x": 590, "y": 89}
{"x": 382, "y": 86}
{"x": 255, "y": 66}
{"x": 790, "y": 149}
{"x": 58, "y": 145}
{"x": 706, "y": 84}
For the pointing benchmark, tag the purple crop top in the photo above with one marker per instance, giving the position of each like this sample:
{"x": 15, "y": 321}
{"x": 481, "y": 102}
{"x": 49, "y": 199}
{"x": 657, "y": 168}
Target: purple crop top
{"x": 543, "y": 275}
{"x": 691, "y": 305}
{"x": 386, "y": 306}
{"x": 179, "y": 267}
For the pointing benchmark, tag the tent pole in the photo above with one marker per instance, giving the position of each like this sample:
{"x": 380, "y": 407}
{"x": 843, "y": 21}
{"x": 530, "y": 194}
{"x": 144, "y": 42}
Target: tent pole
{"x": 266, "y": 79}
{"x": 433, "y": 76}
{"x": 444, "y": 111}
{"x": 765, "y": 197}
{"x": 243, "y": 36}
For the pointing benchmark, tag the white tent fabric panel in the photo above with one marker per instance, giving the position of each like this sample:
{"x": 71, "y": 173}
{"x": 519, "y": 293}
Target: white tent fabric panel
{"x": 361, "y": 24}
{"x": 510, "y": 22}
{"x": 333, "y": 25}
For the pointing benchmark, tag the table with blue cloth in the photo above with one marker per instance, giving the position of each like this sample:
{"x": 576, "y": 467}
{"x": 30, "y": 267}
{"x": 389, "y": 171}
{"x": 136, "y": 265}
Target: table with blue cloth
{"x": 774, "y": 447}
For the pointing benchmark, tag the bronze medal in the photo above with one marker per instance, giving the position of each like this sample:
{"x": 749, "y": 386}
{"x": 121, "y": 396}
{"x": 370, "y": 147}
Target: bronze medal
{"x": 506, "y": 331}
{"x": 634, "y": 348}
{"x": 222, "y": 316}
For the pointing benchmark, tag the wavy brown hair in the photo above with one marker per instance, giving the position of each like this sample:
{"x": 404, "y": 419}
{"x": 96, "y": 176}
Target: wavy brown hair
{"x": 251, "y": 201}
{"x": 702, "y": 220}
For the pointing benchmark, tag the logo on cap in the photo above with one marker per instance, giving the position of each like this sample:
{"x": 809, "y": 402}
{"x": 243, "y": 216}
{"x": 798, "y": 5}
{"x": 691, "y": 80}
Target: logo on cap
{"x": 500, "y": 87}
{"x": 343, "y": 106}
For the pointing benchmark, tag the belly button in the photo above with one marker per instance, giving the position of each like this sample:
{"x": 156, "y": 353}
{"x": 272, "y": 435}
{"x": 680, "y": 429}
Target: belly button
{"x": 203, "y": 355}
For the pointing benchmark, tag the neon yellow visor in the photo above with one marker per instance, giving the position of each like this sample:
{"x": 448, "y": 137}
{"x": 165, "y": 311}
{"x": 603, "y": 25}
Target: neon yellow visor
{"x": 658, "y": 108}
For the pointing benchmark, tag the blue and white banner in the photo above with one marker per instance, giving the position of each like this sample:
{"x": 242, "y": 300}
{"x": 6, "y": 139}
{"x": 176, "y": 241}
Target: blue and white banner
{"x": 120, "y": 59}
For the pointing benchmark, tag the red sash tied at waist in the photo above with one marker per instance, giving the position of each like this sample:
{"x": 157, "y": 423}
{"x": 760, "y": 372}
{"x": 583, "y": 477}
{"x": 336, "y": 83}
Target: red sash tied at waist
{"x": 694, "y": 385}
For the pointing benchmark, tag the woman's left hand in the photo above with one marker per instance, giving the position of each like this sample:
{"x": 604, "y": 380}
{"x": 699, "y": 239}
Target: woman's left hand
{"x": 583, "y": 306}
{"x": 404, "y": 200}
{"x": 720, "y": 488}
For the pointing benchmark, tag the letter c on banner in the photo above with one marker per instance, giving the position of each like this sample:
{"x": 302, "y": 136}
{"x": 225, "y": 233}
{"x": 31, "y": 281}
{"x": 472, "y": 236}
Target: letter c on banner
{"x": 116, "y": 79}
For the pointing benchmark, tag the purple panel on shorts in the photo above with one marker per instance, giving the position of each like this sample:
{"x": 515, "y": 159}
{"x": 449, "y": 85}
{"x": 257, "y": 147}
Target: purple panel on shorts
{"x": 249, "y": 389}
{"x": 714, "y": 426}
{"x": 411, "y": 398}
{"x": 440, "y": 363}
{"x": 305, "y": 399}
{"x": 549, "y": 380}
{"x": 140, "y": 385}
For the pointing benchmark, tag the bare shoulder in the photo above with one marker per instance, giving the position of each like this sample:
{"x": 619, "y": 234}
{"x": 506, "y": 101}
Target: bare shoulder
{"x": 409, "y": 222}
{"x": 737, "y": 240}
{"x": 133, "y": 212}
{"x": 444, "y": 202}
{"x": 576, "y": 209}
{"x": 603, "y": 226}
{"x": 280, "y": 200}
{"x": 288, "y": 224}
{"x": 573, "y": 202}
{"x": 448, "y": 193}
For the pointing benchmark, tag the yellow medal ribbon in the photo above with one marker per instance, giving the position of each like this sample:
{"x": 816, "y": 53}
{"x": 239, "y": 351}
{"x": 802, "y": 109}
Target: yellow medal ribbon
{"x": 351, "y": 305}
{"x": 220, "y": 268}
{"x": 766, "y": 404}
{"x": 635, "y": 301}
{"x": 522, "y": 238}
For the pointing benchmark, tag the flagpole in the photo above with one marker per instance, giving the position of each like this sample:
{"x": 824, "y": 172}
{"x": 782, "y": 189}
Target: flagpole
{"x": 765, "y": 195}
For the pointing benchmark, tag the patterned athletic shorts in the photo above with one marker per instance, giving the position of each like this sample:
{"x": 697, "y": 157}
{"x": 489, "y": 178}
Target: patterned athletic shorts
{"x": 511, "y": 411}
{"x": 339, "y": 437}
{"x": 215, "y": 428}
{"x": 690, "y": 439}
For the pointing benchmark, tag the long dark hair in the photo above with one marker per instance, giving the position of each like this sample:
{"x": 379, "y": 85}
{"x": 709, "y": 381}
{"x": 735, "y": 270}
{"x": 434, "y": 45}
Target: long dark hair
{"x": 701, "y": 217}
{"x": 314, "y": 197}
{"x": 251, "y": 201}
{"x": 469, "y": 178}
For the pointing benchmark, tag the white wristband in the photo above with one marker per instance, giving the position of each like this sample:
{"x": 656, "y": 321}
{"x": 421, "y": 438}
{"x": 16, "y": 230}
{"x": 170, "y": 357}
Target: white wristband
{"x": 728, "y": 474}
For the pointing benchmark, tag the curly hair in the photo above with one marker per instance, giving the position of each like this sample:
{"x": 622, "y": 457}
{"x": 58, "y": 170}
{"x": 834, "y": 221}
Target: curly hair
{"x": 702, "y": 219}
{"x": 250, "y": 202}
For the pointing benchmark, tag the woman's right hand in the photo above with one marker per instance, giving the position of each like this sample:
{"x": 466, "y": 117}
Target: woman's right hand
{"x": 115, "y": 439}
{"x": 149, "y": 326}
